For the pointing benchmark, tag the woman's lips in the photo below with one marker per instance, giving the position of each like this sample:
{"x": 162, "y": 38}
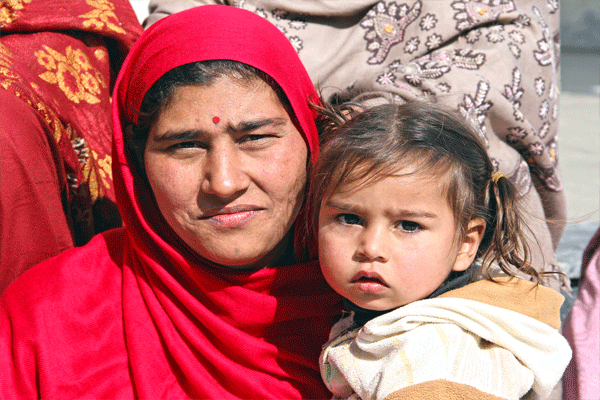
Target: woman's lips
{"x": 369, "y": 281}
{"x": 231, "y": 217}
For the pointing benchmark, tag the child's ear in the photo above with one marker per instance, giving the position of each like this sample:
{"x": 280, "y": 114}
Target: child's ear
{"x": 467, "y": 248}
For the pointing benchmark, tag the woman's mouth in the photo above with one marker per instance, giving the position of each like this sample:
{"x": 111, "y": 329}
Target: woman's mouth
{"x": 231, "y": 217}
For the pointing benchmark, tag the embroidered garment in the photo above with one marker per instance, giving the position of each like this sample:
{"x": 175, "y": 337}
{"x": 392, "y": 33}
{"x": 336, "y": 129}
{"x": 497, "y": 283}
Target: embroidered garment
{"x": 495, "y": 62}
{"x": 472, "y": 340}
{"x": 134, "y": 314}
{"x": 58, "y": 62}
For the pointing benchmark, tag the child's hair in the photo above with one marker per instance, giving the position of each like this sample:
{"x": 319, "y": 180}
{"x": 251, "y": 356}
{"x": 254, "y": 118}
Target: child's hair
{"x": 358, "y": 148}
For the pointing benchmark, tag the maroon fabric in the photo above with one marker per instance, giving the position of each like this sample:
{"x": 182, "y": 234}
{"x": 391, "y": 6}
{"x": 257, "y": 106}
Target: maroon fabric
{"x": 133, "y": 313}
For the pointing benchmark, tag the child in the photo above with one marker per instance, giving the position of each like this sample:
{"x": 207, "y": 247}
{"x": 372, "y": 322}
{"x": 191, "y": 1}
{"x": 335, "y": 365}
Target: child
{"x": 406, "y": 199}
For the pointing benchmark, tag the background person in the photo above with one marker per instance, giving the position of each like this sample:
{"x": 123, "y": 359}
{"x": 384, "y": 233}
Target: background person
{"x": 199, "y": 295}
{"x": 58, "y": 63}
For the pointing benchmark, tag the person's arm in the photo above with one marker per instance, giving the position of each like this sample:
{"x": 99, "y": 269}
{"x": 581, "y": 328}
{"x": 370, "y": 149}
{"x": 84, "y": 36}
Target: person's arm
{"x": 33, "y": 225}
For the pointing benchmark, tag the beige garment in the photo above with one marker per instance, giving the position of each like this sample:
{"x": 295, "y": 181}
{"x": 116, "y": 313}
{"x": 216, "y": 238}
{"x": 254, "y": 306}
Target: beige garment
{"x": 494, "y": 340}
{"x": 494, "y": 61}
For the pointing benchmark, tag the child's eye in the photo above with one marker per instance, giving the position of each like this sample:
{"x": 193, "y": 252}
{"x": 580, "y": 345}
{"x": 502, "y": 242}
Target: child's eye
{"x": 349, "y": 219}
{"x": 409, "y": 226}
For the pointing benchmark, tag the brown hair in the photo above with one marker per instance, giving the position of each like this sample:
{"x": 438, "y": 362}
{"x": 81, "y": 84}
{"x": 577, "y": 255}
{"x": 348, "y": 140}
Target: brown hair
{"x": 361, "y": 147}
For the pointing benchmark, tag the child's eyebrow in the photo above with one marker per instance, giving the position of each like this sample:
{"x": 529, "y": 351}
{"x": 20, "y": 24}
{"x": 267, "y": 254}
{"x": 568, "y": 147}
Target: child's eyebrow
{"x": 402, "y": 213}
{"x": 341, "y": 206}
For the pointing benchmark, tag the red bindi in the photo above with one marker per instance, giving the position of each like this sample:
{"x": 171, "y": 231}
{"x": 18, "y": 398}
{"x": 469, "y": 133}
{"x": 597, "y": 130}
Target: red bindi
{"x": 216, "y": 120}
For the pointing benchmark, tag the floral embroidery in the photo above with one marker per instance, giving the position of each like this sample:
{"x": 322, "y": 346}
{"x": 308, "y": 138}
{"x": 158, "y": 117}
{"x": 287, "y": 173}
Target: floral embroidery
{"x": 513, "y": 94}
{"x": 296, "y": 42}
{"x": 521, "y": 177}
{"x": 495, "y": 34}
{"x": 539, "y": 86}
{"x": 516, "y": 37}
{"x": 550, "y": 177}
{"x": 552, "y": 5}
{"x": 544, "y": 107}
{"x": 101, "y": 16}
{"x": 516, "y": 135}
{"x": 412, "y": 45}
{"x": 279, "y": 14}
{"x": 297, "y": 24}
{"x": 432, "y": 66}
{"x": 9, "y": 8}
{"x": 428, "y": 22}
{"x": 73, "y": 73}
{"x": 536, "y": 149}
{"x": 522, "y": 21}
{"x": 6, "y": 73}
{"x": 387, "y": 78}
{"x": 386, "y": 26}
{"x": 472, "y": 13}
{"x": 475, "y": 109}
{"x": 515, "y": 50}
{"x": 104, "y": 168}
{"x": 473, "y": 36}
{"x": 544, "y": 130}
{"x": 261, "y": 12}
{"x": 546, "y": 54}
{"x": 443, "y": 87}
{"x": 433, "y": 41}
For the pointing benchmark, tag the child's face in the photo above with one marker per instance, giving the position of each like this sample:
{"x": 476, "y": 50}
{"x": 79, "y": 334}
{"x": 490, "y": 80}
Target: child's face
{"x": 389, "y": 243}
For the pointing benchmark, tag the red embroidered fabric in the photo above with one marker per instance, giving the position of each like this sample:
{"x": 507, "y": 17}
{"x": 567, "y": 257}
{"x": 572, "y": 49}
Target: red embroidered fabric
{"x": 58, "y": 63}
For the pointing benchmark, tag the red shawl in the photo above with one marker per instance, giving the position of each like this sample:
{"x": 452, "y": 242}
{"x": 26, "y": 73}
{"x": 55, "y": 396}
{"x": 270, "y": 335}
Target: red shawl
{"x": 58, "y": 62}
{"x": 133, "y": 314}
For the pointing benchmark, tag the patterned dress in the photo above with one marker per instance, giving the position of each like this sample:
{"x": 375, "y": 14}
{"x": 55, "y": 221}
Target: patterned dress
{"x": 58, "y": 62}
{"x": 494, "y": 61}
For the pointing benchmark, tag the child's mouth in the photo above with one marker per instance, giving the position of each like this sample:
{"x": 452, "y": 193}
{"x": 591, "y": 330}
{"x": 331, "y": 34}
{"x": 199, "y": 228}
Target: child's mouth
{"x": 369, "y": 282}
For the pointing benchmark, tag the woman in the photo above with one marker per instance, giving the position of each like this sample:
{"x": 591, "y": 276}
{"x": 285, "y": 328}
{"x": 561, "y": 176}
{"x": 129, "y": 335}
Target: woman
{"x": 58, "y": 62}
{"x": 495, "y": 62}
{"x": 185, "y": 301}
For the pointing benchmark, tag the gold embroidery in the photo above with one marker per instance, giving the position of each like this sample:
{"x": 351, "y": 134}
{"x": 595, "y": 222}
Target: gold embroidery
{"x": 100, "y": 54}
{"x": 105, "y": 168}
{"x": 73, "y": 73}
{"x": 7, "y": 77}
{"x": 9, "y": 8}
{"x": 97, "y": 18}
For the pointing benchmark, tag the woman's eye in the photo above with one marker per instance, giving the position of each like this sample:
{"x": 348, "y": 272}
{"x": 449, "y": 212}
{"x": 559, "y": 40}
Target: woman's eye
{"x": 349, "y": 219}
{"x": 254, "y": 138}
{"x": 185, "y": 145}
{"x": 409, "y": 226}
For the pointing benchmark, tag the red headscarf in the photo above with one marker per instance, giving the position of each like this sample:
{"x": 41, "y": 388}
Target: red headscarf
{"x": 206, "y": 331}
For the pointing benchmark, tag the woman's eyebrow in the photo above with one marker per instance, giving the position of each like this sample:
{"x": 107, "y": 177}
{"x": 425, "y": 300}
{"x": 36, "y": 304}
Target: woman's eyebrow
{"x": 176, "y": 135}
{"x": 248, "y": 126}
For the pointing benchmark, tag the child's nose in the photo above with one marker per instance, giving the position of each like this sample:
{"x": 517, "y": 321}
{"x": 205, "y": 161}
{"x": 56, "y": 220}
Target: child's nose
{"x": 373, "y": 245}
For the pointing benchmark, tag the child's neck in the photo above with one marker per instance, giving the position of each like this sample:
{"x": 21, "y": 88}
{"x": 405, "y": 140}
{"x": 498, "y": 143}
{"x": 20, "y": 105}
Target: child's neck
{"x": 454, "y": 280}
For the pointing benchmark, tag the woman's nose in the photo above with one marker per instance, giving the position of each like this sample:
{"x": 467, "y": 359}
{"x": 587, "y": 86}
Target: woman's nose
{"x": 224, "y": 175}
{"x": 373, "y": 245}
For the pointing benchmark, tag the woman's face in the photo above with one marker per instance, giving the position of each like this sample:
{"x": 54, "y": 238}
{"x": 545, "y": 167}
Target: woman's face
{"x": 228, "y": 169}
